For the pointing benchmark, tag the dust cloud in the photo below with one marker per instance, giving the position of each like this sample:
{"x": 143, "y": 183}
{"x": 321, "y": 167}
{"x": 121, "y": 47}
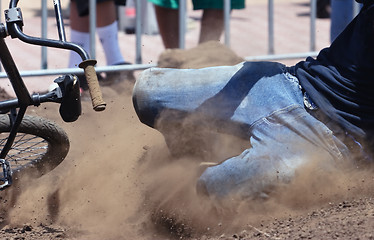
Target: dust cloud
{"x": 119, "y": 181}
{"x": 176, "y": 210}
{"x": 96, "y": 189}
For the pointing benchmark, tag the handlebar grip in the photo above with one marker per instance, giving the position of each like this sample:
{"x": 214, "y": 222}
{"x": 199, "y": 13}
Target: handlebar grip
{"x": 98, "y": 103}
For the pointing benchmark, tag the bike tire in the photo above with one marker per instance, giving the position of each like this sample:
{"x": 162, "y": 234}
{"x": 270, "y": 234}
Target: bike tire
{"x": 39, "y": 147}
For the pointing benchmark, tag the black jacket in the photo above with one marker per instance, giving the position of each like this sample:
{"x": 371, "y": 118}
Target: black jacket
{"x": 341, "y": 79}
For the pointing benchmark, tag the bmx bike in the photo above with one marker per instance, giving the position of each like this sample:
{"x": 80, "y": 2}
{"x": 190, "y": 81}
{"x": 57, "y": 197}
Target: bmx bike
{"x": 29, "y": 143}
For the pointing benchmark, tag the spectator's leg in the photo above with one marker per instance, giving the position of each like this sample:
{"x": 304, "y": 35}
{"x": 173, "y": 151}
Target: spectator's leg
{"x": 106, "y": 13}
{"x": 107, "y": 29}
{"x": 79, "y": 34}
{"x": 211, "y": 25}
{"x": 168, "y": 24}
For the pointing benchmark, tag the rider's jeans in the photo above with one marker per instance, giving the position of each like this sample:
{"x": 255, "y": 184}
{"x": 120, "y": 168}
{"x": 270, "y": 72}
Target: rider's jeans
{"x": 260, "y": 98}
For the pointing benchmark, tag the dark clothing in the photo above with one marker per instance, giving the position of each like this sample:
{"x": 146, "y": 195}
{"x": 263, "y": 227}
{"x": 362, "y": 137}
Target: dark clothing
{"x": 340, "y": 80}
{"x": 83, "y": 5}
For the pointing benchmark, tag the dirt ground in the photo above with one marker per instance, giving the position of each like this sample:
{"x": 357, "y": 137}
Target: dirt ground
{"x": 120, "y": 182}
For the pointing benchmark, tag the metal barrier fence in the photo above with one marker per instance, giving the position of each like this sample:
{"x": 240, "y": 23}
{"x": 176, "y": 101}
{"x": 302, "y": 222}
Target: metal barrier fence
{"x": 92, "y": 19}
{"x": 182, "y": 31}
{"x": 312, "y": 47}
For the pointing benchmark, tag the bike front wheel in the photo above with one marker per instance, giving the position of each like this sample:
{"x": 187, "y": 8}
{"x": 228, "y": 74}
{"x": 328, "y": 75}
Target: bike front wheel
{"x": 40, "y": 145}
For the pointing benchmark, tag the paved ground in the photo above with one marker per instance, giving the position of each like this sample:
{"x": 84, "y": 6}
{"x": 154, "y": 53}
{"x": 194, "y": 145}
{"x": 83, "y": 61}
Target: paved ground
{"x": 249, "y": 36}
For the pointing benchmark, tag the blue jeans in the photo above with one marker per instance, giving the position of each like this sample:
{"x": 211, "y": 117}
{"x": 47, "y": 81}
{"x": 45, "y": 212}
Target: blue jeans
{"x": 341, "y": 15}
{"x": 264, "y": 102}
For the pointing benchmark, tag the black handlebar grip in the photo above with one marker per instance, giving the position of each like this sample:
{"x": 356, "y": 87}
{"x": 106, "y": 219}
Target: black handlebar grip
{"x": 98, "y": 103}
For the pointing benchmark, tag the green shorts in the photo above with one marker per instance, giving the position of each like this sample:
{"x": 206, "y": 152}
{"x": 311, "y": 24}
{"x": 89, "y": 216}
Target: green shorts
{"x": 200, "y": 4}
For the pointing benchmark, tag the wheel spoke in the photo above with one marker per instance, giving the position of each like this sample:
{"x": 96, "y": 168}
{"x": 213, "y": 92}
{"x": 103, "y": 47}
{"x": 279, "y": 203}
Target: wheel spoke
{"x": 26, "y": 149}
{"x": 40, "y": 144}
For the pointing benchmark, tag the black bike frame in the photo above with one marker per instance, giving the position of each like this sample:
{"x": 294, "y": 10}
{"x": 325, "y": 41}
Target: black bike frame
{"x": 23, "y": 96}
{"x": 13, "y": 27}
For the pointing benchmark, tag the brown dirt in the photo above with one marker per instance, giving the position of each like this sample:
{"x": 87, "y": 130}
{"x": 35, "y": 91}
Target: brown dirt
{"x": 3, "y": 94}
{"x": 120, "y": 182}
{"x": 204, "y": 55}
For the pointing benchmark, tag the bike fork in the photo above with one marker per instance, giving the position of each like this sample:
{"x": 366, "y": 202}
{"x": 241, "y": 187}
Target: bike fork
{"x": 6, "y": 180}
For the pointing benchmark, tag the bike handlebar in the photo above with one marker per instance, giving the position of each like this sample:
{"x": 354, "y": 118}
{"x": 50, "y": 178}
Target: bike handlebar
{"x": 98, "y": 103}
{"x": 14, "y": 27}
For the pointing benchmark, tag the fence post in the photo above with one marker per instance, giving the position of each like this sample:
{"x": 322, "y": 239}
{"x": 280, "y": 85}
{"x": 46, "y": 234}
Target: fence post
{"x": 182, "y": 23}
{"x": 226, "y": 14}
{"x": 271, "y": 26}
{"x": 313, "y": 13}
{"x": 138, "y": 31}
{"x": 92, "y": 20}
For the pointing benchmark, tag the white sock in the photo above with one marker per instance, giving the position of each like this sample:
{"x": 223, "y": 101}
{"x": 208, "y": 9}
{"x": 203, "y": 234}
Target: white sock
{"x": 83, "y": 40}
{"x": 108, "y": 36}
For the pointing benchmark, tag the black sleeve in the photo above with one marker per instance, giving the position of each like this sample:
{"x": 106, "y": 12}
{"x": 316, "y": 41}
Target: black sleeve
{"x": 366, "y": 2}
